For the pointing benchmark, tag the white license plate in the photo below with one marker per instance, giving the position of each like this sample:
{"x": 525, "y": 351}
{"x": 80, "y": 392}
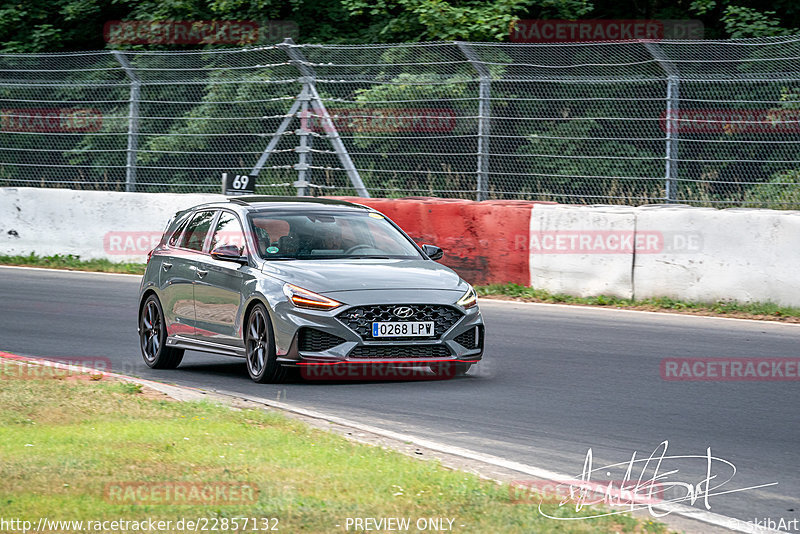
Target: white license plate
{"x": 405, "y": 329}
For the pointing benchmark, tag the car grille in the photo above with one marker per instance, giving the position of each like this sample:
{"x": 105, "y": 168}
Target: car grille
{"x": 313, "y": 340}
{"x": 467, "y": 339}
{"x": 400, "y": 351}
{"x": 360, "y": 318}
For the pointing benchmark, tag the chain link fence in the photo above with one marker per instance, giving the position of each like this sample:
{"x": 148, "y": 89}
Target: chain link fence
{"x": 698, "y": 122}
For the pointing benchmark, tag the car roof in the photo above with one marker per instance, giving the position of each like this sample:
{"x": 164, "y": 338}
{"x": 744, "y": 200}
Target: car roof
{"x": 284, "y": 202}
{"x": 256, "y": 202}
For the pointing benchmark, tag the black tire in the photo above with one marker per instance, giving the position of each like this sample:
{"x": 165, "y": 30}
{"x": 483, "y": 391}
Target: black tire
{"x": 153, "y": 337}
{"x": 259, "y": 346}
{"x": 449, "y": 369}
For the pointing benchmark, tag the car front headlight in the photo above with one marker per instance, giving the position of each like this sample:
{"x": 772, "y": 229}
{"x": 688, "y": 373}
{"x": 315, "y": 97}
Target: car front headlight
{"x": 303, "y": 298}
{"x": 470, "y": 298}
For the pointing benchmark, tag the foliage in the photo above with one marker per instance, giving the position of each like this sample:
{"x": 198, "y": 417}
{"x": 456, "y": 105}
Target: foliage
{"x": 745, "y": 22}
{"x": 782, "y": 190}
{"x": 439, "y": 20}
{"x": 53, "y": 25}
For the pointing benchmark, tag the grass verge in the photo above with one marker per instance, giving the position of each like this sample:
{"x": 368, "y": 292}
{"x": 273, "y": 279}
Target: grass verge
{"x": 71, "y": 445}
{"x": 753, "y": 310}
{"x": 72, "y": 262}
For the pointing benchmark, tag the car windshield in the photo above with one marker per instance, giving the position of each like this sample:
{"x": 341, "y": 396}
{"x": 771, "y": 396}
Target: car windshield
{"x": 324, "y": 235}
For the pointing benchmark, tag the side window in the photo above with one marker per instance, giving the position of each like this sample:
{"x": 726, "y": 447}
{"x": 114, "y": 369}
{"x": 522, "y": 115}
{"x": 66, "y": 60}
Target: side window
{"x": 196, "y": 231}
{"x": 178, "y": 230}
{"x": 228, "y": 232}
{"x": 273, "y": 229}
{"x": 275, "y": 232}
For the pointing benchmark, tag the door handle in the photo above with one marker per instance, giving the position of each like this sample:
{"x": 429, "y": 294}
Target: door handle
{"x": 166, "y": 266}
{"x": 201, "y": 274}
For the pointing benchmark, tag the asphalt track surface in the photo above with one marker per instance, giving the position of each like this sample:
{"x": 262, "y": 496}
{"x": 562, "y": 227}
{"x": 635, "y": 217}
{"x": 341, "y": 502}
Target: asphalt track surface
{"x": 555, "y": 381}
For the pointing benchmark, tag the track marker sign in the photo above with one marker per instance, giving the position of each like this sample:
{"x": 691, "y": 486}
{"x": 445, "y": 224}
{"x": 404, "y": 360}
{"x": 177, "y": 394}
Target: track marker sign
{"x": 238, "y": 184}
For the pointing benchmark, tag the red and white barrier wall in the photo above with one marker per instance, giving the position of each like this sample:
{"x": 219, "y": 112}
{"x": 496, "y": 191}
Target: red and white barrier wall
{"x": 674, "y": 251}
{"x": 485, "y": 242}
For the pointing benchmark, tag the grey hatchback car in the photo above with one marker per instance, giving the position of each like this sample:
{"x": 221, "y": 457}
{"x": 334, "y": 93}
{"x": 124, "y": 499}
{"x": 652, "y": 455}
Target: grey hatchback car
{"x": 294, "y": 281}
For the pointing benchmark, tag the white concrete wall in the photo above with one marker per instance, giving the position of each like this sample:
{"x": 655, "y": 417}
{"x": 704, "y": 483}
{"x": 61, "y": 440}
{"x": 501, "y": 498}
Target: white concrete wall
{"x": 747, "y": 255}
{"x": 675, "y": 251}
{"x": 702, "y": 254}
{"x": 91, "y": 224}
{"x": 563, "y": 261}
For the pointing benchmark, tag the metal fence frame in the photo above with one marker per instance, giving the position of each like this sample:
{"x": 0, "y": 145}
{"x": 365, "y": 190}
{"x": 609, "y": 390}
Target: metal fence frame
{"x": 674, "y": 59}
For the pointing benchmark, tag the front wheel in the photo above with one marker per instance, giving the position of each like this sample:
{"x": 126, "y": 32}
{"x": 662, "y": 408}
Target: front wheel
{"x": 153, "y": 337}
{"x": 259, "y": 343}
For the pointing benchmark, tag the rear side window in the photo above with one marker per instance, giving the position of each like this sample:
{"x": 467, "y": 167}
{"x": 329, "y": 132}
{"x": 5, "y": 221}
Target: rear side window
{"x": 196, "y": 231}
{"x": 178, "y": 230}
{"x": 228, "y": 232}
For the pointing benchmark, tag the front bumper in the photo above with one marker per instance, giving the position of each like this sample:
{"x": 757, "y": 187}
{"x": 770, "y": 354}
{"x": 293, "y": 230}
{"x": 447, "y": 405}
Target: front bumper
{"x": 462, "y": 341}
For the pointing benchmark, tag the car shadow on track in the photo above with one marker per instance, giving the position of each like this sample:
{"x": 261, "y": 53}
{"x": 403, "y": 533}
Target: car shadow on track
{"x": 235, "y": 369}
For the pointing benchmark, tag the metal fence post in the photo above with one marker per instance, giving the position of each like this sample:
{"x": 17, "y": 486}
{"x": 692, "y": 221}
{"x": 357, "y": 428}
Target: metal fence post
{"x": 304, "y": 150}
{"x": 319, "y": 109}
{"x": 484, "y": 119}
{"x": 671, "y": 121}
{"x": 133, "y": 121}
{"x": 673, "y": 131}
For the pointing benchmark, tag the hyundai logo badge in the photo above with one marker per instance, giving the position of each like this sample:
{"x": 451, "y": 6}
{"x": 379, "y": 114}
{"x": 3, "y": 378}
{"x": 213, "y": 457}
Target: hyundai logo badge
{"x": 403, "y": 312}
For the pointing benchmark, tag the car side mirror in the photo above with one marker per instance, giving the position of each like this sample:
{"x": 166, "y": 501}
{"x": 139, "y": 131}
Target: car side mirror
{"x": 433, "y": 252}
{"x": 229, "y": 253}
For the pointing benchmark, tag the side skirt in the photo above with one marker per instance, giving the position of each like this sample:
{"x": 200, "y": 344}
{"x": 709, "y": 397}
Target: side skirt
{"x": 205, "y": 346}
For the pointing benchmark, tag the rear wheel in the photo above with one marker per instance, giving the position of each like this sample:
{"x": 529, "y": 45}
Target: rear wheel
{"x": 153, "y": 337}
{"x": 450, "y": 369}
{"x": 259, "y": 343}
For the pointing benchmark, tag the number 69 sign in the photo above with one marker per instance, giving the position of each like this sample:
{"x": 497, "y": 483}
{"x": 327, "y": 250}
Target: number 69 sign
{"x": 236, "y": 184}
